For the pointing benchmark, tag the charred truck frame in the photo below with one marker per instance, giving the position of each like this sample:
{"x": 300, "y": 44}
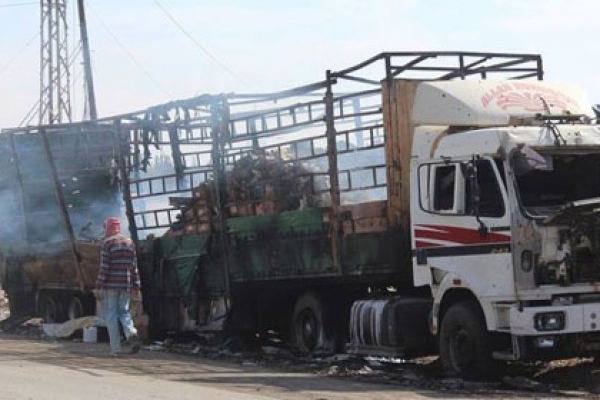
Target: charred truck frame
{"x": 399, "y": 212}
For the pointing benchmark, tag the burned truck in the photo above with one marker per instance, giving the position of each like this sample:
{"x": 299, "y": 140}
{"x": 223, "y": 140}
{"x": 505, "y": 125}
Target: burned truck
{"x": 55, "y": 190}
{"x": 410, "y": 202}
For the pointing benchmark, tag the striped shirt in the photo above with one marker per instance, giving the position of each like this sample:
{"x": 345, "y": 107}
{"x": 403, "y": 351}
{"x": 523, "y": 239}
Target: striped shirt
{"x": 118, "y": 264}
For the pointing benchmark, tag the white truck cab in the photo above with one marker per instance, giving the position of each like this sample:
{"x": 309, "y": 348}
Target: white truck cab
{"x": 505, "y": 218}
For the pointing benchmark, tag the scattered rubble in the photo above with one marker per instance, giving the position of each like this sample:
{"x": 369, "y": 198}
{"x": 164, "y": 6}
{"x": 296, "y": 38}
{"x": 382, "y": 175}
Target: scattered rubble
{"x": 579, "y": 377}
{"x": 68, "y": 328}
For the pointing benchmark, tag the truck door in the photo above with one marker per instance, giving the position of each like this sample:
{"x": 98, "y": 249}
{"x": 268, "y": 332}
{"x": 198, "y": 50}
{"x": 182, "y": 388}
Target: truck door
{"x": 462, "y": 225}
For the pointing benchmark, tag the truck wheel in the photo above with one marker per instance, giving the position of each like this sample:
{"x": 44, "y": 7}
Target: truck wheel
{"x": 76, "y": 308}
{"x": 309, "y": 330}
{"x": 51, "y": 312}
{"x": 464, "y": 342}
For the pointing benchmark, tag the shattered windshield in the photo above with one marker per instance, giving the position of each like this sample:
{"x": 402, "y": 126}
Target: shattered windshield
{"x": 546, "y": 182}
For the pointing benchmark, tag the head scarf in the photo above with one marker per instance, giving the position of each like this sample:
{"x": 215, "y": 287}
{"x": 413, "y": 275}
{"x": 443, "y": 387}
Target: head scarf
{"x": 112, "y": 227}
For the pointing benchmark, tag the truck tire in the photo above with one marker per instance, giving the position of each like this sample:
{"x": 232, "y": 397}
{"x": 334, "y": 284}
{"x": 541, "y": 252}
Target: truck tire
{"x": 310, "y": 325}
{"x": 76, "y": 308}
{"x": 51, "y": 309}
{"x": 464, "y": 342}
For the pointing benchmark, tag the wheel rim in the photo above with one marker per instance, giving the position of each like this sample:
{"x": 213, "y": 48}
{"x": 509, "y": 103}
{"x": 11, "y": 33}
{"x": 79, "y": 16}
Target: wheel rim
{"x": 309, "y": 329}
{"x": 75, "y": 308}
{"x": 49, "y": 315}
{"x": 462, "y": 349}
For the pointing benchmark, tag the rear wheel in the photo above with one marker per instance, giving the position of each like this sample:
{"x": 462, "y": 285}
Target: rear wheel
{"x": 51, "y": 311}
{"x": 76, "y": 308}
{"x": 464, "y": 342}
{"x": 310, "y": 325}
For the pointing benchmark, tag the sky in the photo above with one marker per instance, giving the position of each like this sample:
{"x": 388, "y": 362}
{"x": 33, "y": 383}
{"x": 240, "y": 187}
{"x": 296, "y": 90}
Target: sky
{"x": 147, "y": 52}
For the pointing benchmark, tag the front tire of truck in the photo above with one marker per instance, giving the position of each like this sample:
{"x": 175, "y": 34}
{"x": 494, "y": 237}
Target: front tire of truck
{"x": 464, "y": 342}
{"x": 310, "y": 330}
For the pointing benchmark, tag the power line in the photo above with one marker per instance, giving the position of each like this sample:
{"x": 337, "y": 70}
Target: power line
{"x": 27, "y": 3}
{"x": 17, "y": 55}
{"x": 33, "y": 112}
{"x": 199, "y": 45}
{"x": 130, "y": 55}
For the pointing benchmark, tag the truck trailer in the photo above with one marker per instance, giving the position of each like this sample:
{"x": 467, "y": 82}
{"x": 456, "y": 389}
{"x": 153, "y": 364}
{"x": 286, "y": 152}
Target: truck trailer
{"x": 446, "y": 204}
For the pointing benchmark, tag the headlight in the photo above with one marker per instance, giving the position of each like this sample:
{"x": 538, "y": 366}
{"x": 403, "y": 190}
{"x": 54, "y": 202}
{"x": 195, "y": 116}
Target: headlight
{"x": 550, "y": 321}
{"x": 527, "y": 260}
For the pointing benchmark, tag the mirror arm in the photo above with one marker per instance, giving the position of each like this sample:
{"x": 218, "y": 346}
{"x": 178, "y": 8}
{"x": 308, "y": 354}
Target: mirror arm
{"x": 483, "y": 229}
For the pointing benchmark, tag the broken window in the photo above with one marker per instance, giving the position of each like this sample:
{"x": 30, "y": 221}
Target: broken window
{"x": 568, "y": 178}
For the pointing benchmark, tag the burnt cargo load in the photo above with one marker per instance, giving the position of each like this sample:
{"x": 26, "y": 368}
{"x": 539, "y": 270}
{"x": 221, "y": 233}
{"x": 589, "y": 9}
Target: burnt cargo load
{"x": 403, "y": 203}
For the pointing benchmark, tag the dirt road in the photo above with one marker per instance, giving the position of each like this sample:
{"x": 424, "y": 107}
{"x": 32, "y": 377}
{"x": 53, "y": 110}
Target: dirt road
{"x": 34, "y": 369}
{"x": 31, "y": 368}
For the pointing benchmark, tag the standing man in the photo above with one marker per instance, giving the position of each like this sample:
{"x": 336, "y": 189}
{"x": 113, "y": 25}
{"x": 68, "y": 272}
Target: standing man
{"x": 118, "y": 280}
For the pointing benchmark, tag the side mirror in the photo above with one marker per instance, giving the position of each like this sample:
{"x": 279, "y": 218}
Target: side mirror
{"x": 469, "y": 171}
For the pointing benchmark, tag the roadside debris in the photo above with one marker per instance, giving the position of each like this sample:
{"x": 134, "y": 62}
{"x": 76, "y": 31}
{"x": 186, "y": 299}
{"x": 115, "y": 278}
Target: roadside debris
{"x": 579, "y": 378}
{"x": 68, "y": 328}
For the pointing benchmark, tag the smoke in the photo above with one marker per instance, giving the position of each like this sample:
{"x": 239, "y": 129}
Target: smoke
{"x": 29, "y": 209}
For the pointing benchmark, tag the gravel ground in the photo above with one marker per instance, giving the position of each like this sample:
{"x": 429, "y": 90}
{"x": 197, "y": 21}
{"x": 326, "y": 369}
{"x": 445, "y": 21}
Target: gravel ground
{"x": 578, "y": 377}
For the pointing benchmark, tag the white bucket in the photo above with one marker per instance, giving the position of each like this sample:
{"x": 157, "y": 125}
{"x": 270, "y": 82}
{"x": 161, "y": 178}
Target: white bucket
{"x": 90, "y": 335}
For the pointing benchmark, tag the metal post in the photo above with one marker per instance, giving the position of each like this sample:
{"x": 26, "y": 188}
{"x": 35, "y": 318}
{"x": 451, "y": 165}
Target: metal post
{"x": 55, "y": 100}
{"x": 389, "y": 78}
{"x": 87, "y": 61}
{"x": 21, "y": 186}
{"x": 64, "y": 212}
{"x": 218, "y": 172}
{"x": 360, "y": 139}
{"x": 334, "y": 184}
{"x": 176, "y": 150}
{"x": 122, "y": 165}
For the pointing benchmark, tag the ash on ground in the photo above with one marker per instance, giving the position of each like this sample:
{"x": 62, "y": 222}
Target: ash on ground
{"x": 572, "y": 377}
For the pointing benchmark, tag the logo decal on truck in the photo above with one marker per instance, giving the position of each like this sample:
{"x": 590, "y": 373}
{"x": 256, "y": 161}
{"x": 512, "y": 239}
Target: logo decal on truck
{"x": 526, "y": 96}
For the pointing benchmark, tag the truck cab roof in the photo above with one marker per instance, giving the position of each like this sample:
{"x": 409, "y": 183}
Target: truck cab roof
{"x": 494, "y": 102}
{"x": 461, "y": 118}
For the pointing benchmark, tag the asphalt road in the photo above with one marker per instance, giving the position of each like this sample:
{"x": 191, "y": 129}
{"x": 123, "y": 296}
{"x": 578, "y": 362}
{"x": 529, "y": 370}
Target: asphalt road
{"x": 40, "y": 370}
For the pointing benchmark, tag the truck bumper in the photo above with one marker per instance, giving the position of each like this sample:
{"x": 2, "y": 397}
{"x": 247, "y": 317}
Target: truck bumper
{"x": 557, "y": 331}
{"x": 541, "y": 321}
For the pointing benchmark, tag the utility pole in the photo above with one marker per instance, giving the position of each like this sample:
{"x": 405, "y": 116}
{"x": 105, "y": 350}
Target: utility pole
{"x": 55, "y": 94}
{"x": 87, "y": 62}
